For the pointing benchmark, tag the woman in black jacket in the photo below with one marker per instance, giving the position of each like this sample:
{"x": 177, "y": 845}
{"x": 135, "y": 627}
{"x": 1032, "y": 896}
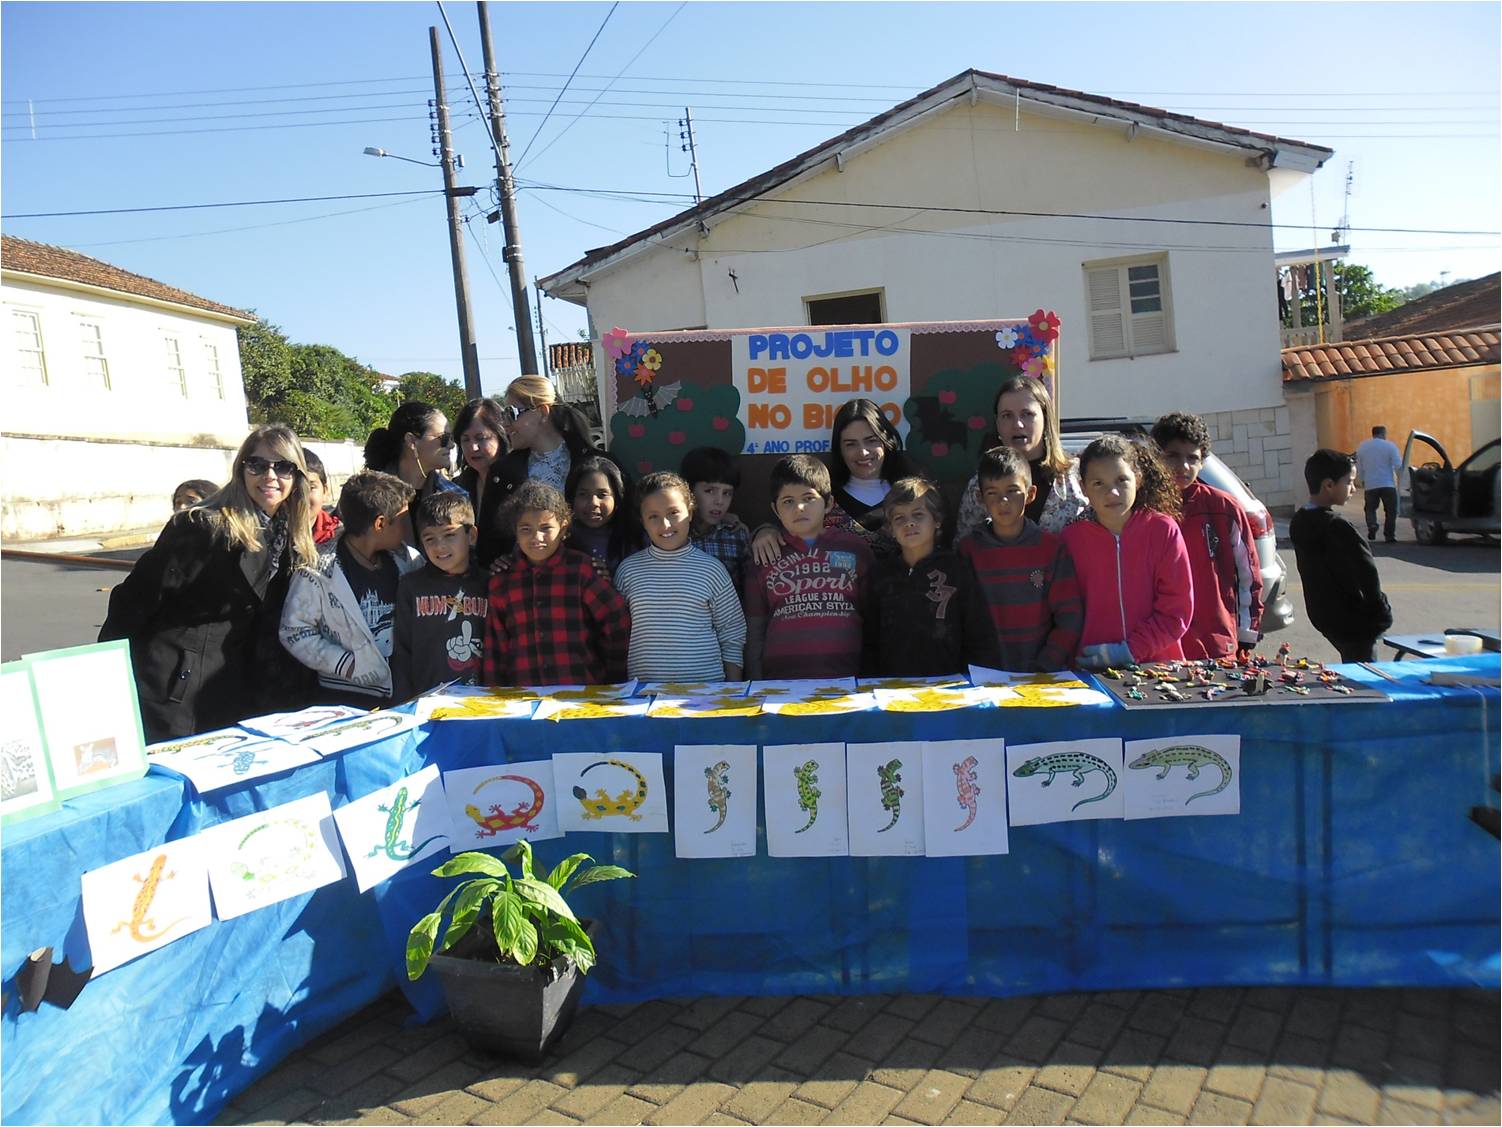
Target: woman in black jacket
{"x": 201, "y": 608}
{"x": 481, "y": 433}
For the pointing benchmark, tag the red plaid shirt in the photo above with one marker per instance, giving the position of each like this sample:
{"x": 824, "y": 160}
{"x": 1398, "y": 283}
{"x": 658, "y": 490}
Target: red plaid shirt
{"x": 555, "y": 623}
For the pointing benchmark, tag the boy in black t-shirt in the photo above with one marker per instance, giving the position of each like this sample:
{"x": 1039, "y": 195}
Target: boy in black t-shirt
{"x": 440, "y": 608}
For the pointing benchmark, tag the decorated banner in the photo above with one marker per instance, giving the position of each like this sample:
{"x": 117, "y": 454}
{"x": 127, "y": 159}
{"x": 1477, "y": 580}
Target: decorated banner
{"x": 965, "y": 798}
{"x": 91, "y": 721}
{"x": 804, "y": 791}
{"x": 387, "y": 830}
{"x": 140, "y": 903}
{"x": 501, "y": 804}
{"x": 272, "y": 855}
{"x": 714, "y": 800}
{"x": 1175, "y": 776}
{"x": 885, "y": 782}
{"x": 620, "y": 792}
{"x": 1064, "y": 781}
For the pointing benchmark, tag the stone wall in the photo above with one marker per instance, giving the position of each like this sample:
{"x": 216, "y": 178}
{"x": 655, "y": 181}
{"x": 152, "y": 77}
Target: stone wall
{"x": 1258, "y": 444}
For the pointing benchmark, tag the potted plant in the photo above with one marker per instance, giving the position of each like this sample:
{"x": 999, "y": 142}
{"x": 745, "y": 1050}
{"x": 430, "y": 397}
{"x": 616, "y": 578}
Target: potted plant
{"x": 514, "y": 955}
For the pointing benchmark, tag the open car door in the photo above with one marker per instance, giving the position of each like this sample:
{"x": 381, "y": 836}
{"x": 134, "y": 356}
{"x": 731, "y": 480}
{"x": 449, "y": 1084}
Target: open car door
{"x": 1476, "y": 486}
{"x": 1431, "y": 484}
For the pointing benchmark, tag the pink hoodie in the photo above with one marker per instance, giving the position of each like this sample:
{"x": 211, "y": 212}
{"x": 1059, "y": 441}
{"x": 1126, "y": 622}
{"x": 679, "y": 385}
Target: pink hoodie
{"x": 1136, "y": 587}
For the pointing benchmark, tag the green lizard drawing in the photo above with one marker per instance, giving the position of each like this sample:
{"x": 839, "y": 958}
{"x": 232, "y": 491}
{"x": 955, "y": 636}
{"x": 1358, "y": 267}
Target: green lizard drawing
{"x": 808, "y": 791}
{"x": 1074, "y": 761}
{"x": 396, "y": 813}
{"x": 138, "y": 917}
{"x": 1190, "y": 755}
{"x": 891, "y": 793}
{"x": 717, "y": 778}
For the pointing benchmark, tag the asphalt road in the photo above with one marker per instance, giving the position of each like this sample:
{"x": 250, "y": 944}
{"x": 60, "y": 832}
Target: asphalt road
{"x": 46, "y": 605}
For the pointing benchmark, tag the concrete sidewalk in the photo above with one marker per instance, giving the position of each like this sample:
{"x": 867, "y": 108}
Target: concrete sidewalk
{"x": 1289, "y": 1056}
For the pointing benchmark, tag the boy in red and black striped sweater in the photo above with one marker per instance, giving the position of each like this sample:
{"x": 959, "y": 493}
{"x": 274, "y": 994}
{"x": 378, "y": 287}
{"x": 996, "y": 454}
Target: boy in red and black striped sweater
{"x": 1026, "y": 574}
{"x": 553, "y": 619}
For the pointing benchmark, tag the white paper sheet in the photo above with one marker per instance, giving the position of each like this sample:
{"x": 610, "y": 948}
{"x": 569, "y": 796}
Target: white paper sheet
{"x": 1064, "y": 781}
{"x": 468, "y": 702}
{"x": 583, "y": 692}
{"x": 226, "y": 766}
{"x": 619, "y": 792}
{"x": 225, "y": 739}
{"x": 296, "y": 725}
{"x": 714, "y": 800}
{"x": 27, "y": 782}
{"x": 145, "y": 901}
{"x": 692, "y": 688}
{"x": 908, "y": 684}
{"x": 90, "y": 718}
{"x": 693, "y": 708}
{"x": 272, "y": 855}
{"x": 817, "y": 701}
{"x": 1178, "y": 776}
{"x": 363, "y": 729}
{"x": 387, "y": 830}
{"x": 885, "y": 783}
{"x": 965, "y": 798}
{"x": 934, "y": 698}
{"x": 605, "y": 708}
{"x": 804, "y": 795}
{"x": 1038, "y": 690}
{"x": 500, "y": 804}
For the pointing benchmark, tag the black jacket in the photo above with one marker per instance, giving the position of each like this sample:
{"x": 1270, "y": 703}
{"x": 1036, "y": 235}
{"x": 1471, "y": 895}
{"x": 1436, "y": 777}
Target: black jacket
{"x": 931, "y": 619}
{"x": 506, "y": 473}
{"x": 1342, "y": 591}
{"x": 202, "y": 619}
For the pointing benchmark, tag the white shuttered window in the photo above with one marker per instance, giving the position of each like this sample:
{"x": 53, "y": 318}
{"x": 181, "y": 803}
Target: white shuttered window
{"x": 31, "y": 358}
{"x": 96, "y": 364}
{"x": 177, "y": 375}
{"x": 1130, "y": 312}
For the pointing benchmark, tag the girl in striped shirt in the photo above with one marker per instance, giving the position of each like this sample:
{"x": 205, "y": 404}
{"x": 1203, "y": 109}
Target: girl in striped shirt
{"x": 686, "y": 619}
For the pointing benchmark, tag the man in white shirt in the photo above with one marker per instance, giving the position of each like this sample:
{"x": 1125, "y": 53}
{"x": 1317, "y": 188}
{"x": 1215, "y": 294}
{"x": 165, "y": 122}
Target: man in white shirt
{"x": 1378, "y": 464}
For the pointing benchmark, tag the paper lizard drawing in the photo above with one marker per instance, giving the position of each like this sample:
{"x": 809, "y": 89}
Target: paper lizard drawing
{"x": 966, "y": 790}
{"x": 1076, "y": 762}
{"x": 139, "y": 920}
{"x": 627, "y": 802}
{"x": 891, "y": 792}
{"x": 717, "y": 780}
{"x": 396, "y": 813}
{"x": 1190, "y": 755}
{"x": 519, "y": 817}
{"x": 808, "y": 792}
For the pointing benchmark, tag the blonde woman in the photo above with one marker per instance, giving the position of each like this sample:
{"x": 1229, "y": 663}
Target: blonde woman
{"x": 201, "y": 608}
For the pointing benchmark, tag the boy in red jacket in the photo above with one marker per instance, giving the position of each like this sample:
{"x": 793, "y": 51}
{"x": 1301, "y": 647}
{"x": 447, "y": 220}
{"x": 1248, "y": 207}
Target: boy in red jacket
{"x": 1222, "y": 547}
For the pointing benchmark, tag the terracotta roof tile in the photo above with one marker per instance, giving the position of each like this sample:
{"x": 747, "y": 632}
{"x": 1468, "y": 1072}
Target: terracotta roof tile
{"x": 1417, "y": 353}
{"x": 49, "y": 261}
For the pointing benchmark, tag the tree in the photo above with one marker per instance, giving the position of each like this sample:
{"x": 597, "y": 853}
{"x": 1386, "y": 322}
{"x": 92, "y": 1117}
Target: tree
{"x": 1360, "y": 294}
{"x": 431, "y": 388}
{"x": 265, "y": 367}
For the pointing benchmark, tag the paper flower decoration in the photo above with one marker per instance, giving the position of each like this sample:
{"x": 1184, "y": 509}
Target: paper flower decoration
{"x": 1033, "y": 366}
{"x": 1007, "y": 338}
{"x": 1044, "y": 326}
{"x": 1021, "y": 355}
{"x": 644, "y": 375}
{"x": 652, "y": 359}
{"x": 614, "y": 342}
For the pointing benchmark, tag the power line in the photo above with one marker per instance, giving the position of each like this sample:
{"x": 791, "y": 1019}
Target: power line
{"x": 215, "y": 129}
{"x": 570, "y": 78}
{"x": 202, "y": 206}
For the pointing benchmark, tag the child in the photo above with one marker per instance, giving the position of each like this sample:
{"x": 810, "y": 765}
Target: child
{"x": 929, "y": 617}
{"x": 1227, "y": 576}
{"x": 1342, "y": 590}
{"x": 552, "y": 618}
{"x": 338, "y": 616}
{"x": 440, "y": 608}
{"x": 686, "y": 622}
{"x": 806, "y": 609}
{"x": 325, "y": 523}
{"x": 712, "y": 474}
{"x": 1025, "y": 574}
{"x": 602, "y": 526}
{"x": 1130, "y": 558}
{"x": 195, "y": 492}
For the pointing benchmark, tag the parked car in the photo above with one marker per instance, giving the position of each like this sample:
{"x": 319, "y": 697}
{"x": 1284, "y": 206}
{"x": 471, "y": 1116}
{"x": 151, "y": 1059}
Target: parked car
{"x": 1441, "y": 498}
{"x": 1277, "y": 607}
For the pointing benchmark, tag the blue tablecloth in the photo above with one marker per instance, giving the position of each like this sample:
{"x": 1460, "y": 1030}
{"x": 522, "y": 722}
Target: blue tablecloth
{"x": 1352, "y": 863}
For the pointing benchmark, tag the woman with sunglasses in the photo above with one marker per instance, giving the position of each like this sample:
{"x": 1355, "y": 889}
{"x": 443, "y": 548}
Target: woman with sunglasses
{"x": 481, "y": 431}
{"x": 416, "y": 446}
{"x": 201, "y": 608}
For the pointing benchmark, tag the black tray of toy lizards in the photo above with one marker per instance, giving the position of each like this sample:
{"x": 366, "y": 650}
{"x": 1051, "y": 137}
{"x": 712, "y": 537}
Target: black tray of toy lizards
{"x": 1218, "y": 683}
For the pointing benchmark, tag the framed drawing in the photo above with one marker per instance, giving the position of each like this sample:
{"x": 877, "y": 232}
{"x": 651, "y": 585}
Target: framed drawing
{"x": 26, "y": 788}
{"x": 91, "y": 745}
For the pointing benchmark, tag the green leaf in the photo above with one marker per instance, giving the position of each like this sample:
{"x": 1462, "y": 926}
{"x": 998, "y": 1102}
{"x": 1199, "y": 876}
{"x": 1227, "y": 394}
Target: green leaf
{"x": 520, "y": 854}
{"x": 524, "y": 951}
{"x": 506, "y": 917}
{"x": 560, "y": 931}
{"x": 420, "y": 944}
{"x": 545, "y": 894}
{"x": 470, "y": 863}
{"x": 467, "y": 909}
{"x": 596, "y": 873}
{"x": 565, "y": 869}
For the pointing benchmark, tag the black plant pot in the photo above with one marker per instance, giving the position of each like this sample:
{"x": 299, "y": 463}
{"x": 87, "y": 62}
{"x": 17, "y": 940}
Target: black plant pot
{"x": 505, "y": 1009}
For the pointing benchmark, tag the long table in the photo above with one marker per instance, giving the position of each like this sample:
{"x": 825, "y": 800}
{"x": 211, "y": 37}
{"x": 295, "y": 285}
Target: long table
{"x": 1352, "y": 863}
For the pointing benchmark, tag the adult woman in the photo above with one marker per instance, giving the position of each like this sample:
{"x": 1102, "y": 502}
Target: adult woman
{"x": 415, "y": 446}
{"x": 1026, "y": 422}
{"x": 481, "y": 431}
{"x": 201, "y": 608}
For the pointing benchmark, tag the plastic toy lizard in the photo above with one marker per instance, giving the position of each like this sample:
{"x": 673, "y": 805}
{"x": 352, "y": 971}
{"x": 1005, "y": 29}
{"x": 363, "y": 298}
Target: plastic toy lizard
{"x": 967, "y": 791}
{"x": 1075, "y": 761}
{"x": 808, "y": 791}
{"x": 891, "y": 793}
{"x": 518, "y": 818}
{"x": 627, "y": 802}
{"x": 396, "y": 813}
{"x": 1190, "y": 755}
{"x": 717, "y": 779}
{"x": 138, "y": 917}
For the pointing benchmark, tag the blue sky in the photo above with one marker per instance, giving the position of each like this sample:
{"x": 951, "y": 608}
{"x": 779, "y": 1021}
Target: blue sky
{"x": 231, "y": 102}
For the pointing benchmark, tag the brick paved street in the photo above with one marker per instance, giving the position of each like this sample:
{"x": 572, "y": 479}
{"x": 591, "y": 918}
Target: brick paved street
{"x": 1285, "y": 1056}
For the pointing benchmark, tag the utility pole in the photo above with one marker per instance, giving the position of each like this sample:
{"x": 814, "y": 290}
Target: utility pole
{"x": 443, "y": 150}
{"x": 686, "y": 134}
{"x": 512, "y": 251}
{"x": 542, "y": 336}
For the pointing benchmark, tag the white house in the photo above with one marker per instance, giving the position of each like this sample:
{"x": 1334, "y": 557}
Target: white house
{"x": 116, "y": 387}
{"x": 1148, "y": 233}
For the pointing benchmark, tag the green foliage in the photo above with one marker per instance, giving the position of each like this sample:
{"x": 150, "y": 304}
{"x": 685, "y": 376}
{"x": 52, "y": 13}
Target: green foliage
{"x": 430, "y": 387}
{"x": 699, "y": 416}
{"x": 1361, "y": 295}
{"x": 265, "y": 367}
{"x": 952, "y": 420}
{"x": 529, "y": 923}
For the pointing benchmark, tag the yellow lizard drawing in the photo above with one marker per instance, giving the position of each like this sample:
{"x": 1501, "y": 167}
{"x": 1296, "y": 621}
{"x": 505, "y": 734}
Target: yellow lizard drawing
{"x": 138, "y": 916}
{"x": 603, "y": 804}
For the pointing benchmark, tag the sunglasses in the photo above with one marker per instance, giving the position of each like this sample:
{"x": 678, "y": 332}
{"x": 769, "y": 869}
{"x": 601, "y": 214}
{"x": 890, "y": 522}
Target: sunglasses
{"x": 255, "y": 465}
{"x": 444, "y": 440}
{"x": 513, "y": 412}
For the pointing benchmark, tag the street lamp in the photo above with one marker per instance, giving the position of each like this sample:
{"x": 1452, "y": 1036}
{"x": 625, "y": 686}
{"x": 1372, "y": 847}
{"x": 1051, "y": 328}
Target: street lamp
{"x": 373, "y": 152}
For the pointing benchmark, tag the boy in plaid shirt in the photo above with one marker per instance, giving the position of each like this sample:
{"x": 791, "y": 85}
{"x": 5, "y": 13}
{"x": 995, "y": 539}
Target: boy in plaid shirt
{"x": 553, "y": 619}
{"x": 712, "y": 474}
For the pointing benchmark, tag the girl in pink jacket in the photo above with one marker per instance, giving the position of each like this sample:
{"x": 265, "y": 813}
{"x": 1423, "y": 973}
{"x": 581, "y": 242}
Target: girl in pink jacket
{"x": 1130, "y": 557}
